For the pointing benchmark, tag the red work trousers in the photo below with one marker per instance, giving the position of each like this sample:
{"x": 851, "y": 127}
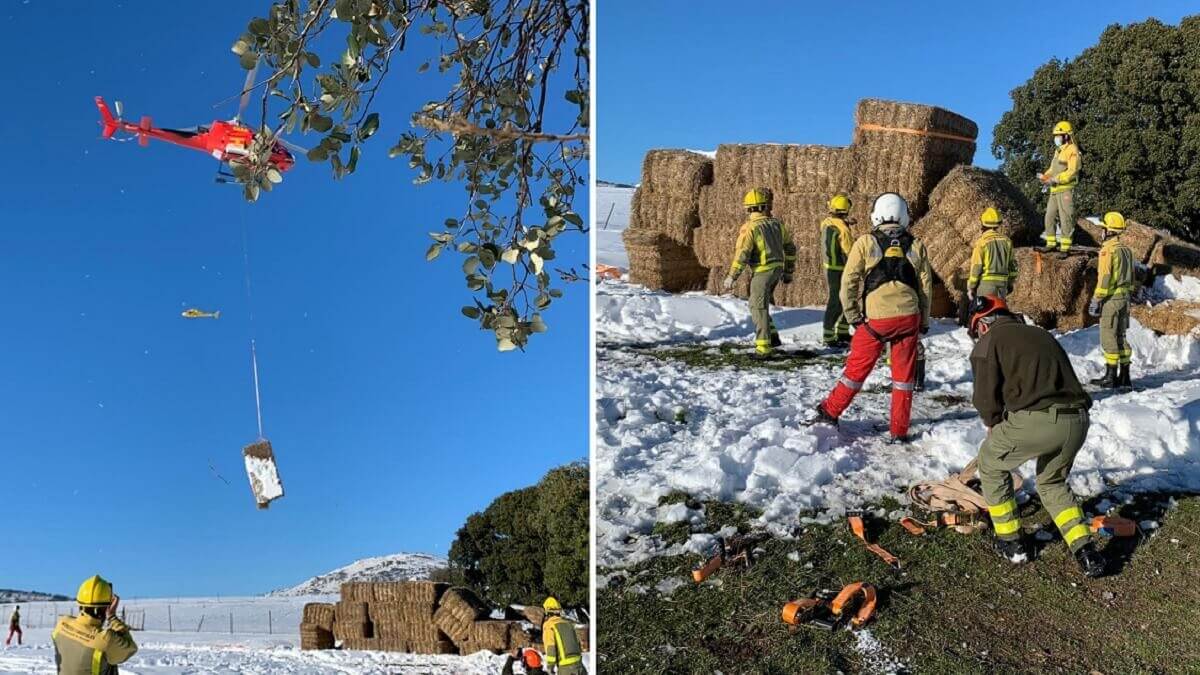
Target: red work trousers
{"x": 11, "y": 631}
{"x": 865, "y": 347}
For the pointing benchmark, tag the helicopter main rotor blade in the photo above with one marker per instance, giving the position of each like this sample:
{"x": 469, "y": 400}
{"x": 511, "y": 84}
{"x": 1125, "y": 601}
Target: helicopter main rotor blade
{"x": 292, "y": 146}
{"x": 120, "y": 109}
{"x": 246, "y": 87}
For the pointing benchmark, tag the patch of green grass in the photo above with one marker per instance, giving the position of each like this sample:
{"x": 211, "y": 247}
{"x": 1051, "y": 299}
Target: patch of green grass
{"x": 672, "y": 533}
{"x": 954, "y": 608}
{"x": 739, "y": 355}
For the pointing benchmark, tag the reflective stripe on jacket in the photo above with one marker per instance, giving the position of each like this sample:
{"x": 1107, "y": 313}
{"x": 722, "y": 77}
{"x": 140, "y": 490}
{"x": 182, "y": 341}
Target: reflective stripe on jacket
{"x": 83, "y": 647}
{"x": 891, "y": 299}
{"x": 763, "y": 244}
{"x": 560, "y": 642}
{"x": 1064, "y": 168}
{"x": 1114, "y": 274}
{"x": 835, "y": 243}
{"x": 992, "y": 259}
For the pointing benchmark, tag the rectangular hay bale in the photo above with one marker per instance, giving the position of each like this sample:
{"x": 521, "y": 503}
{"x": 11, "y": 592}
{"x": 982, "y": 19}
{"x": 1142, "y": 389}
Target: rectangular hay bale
{"x": 318, "y": 614}
{"x": 359, "y": 591}
{"x": 313, "y": 636}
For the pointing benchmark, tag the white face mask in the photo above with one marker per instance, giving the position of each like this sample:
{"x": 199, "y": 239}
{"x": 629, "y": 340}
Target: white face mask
{"x": 1058, "y": 141}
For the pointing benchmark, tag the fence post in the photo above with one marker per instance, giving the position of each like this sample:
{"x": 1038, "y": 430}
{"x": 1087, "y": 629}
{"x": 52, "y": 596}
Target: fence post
{"x": 170, "y": 625}
{"x": 270, "y": 624}
{"x": 199, "y": 625}
{"x": 231, "y": 623}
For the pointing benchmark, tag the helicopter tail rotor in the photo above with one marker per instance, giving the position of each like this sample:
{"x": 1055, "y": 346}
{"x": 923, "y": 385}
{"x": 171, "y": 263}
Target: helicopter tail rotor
{"x": 109, "y": 123}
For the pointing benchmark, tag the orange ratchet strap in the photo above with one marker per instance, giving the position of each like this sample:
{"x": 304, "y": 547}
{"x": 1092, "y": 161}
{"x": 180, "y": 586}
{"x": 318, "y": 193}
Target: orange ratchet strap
{"x": 712, "y": 565}
{"x": 825, "y": 613}
{"x": 858, "y": 527}
{"x": 865, "y": 611}
{"x": 1114, "y": 526}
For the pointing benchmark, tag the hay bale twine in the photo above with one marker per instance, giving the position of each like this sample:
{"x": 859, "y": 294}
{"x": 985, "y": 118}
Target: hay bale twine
{"x": 1174, "y": 317}
{"x": 951, "y": 225}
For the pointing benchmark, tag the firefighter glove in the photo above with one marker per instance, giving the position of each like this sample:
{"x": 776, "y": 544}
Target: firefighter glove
{"x": 1094, "y": 307}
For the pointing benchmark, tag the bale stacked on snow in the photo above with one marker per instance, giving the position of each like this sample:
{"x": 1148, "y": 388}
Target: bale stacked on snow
{"x": 664, "y": 214}
{"x": 1174, "y": 317}
{"x": 951, "y": 225}
{"x": 908, "y": 148}
{"x": 316, "y": 626}
{"x": 1054, "y": 291}
{"x": 458, "y": 612}
{"x": 655, "y": 261}
{"x": 352, "y": 620}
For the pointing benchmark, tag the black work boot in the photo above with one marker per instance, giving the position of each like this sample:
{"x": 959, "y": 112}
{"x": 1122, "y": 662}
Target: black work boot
{"x": 1123, "y": 380}
{"x": 919, "y": 384}
{"x": 762, "y": 356}
{"x": 1109, "y": 381}
{"x": 775, "y": 341}
{"x": 1047, "y": 248}
{"x": 1012, "y": 550}
{"x": 824, "y": 417}
{"x": 1090, "y": 561}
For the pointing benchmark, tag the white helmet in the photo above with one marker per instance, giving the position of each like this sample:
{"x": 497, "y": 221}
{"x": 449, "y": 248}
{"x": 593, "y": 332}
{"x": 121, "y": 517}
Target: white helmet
{"x": 889, "y": 208}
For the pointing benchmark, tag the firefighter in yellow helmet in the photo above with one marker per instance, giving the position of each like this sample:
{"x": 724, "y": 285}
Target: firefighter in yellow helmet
{"x": 564, "y": 655}
{"x": 1110, "y": 302}
{"x": 993, "y": 265}
{"x": 765, "y": 246}
{"x": 94, "y": 642}
{"x": 835, "y": 246}
{"x": 1060, "y": 178}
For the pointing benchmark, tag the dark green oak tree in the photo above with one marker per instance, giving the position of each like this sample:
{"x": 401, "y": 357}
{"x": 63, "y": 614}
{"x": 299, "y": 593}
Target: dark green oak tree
{"x": 511, "y": 69}
{"x": 1134, "y": 100}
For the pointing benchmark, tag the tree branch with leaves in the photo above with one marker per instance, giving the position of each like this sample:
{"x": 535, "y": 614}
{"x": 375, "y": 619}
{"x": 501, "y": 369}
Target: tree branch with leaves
{"x": 512, "y": 128}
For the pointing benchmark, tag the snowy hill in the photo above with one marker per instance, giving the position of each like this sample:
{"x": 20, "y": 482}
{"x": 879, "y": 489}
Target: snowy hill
{"x": 397, "y": 567}
{"x": 8, "y": 595}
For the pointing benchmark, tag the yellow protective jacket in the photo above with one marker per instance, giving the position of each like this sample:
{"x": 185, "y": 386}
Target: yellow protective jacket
{"x": 1114, "y": 273}
{"x": 891, "y": 299}
{"x": 835, "y": 243}
{"x": 763, "y": 244}
{"x": 992, "y": 259}
{"x": 83, "y": 646}
{"x": 1064, "y": 168}
{"x": 560, "y": 644}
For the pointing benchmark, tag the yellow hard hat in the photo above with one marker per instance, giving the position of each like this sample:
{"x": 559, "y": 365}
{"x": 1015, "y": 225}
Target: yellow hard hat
{"x": 1063, "y": 127}
{"x": 551, "y": 603}
{"x": 990, "y": 217}
{"x": 1114, "y": 222}
{"x": 95, "y": 592}
{"x": 757, "y": 197}
{"x": 839, "y": 203}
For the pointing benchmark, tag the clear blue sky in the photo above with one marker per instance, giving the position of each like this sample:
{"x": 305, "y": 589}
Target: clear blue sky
{"x": 393, "y": 417}
{"x": 676, "y": 74}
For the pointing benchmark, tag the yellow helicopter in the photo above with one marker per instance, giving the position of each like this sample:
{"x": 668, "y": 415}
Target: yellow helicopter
{"x": 199, "y": 314}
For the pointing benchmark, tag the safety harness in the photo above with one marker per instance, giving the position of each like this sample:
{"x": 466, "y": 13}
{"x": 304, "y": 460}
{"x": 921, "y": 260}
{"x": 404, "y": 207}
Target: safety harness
{"x": 826, "y": 610}
{"x": 894, "y": 265}
{"x": 954, "y": 502}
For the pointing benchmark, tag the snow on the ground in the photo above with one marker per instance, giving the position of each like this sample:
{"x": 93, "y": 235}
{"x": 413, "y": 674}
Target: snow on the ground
{"x": 743, "y": 436}
{"x": 612, "y": 217}
{"x": 249, "y": 649}
{"x": 1167, "y": 287}
{"x": 396, "y": 567}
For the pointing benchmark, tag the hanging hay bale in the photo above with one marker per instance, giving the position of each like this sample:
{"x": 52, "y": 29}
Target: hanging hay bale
{"x": 951, "y": 225}
{"x": 259, "y": 458}
{"x": 677, "y": 172}
{"x": 1140, "y": 239}
{"x": 1174, "y": 317}
{"x": 318, "y": 614}
{"x": 1052, "y": 291}
{"x": 908, "y": 147}
{"x": 458, "y": 612}
{"x": 313, "y": 636}
{"x": 658, "y": 263}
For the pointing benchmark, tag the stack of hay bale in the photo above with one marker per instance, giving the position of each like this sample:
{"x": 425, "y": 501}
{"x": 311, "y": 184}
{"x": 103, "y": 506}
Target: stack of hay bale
{"x": 903, "y": 147}
{"x": 663, "y": 216}
{"x": 419, "y": 617}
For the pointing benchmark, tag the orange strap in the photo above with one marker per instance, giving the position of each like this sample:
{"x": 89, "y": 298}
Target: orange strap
{"x": 916, "y": 132}
{"x": 797, "y": 611}
{"x": 865, "y": 611}
{"x": 914, "y": 526}
{"x": 859, "y": 529}
{"x": 703, "y": 572}
{"x": 1114, "y": 526}
{"x": 1037, "y": 262}
{"x": 608, "y": 272}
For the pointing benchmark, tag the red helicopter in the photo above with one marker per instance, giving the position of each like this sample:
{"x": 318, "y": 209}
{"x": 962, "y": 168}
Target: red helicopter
{"x": 227, "y": 141}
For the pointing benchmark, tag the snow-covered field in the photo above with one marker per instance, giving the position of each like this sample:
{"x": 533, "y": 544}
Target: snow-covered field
{"x": 743, "y": 436}
{"x": 249, "y": 649}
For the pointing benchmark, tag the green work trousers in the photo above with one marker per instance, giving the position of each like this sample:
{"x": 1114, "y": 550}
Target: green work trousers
{"x": 1060, "y": 210}
{"x": 1114, "y": 323}
{"x": 1052, "y": 437}
{"x": 835, "y": 328}
{"x": 996, "y": 288}
{"x": 762, "y": 289}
